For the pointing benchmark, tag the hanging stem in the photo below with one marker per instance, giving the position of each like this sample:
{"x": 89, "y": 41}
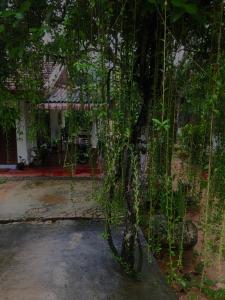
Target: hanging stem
{"x": 164, "y": 60}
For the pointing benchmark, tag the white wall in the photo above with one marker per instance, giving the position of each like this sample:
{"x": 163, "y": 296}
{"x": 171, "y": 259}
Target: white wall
{"x": 21, "y": 137}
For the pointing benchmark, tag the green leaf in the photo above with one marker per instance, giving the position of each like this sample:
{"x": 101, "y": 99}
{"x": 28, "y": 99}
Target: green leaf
{"x": 177, "y": 15}
{"x": 191, "y": 8}
{"x": 156, "y": 121}
{"x": 2, "y": 28}
{"x": 19, "y": 15}
{"x": 178, "y": 3}
{"x": 25, "y": 6}
{"x": 7, "y": 13}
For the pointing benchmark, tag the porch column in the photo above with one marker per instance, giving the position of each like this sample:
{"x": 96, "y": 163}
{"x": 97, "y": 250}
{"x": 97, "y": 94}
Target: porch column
{"x": 24, "y": 145}
{"x": 94, "y": 147}
{"x": 21, "y": 135}
{"x": 94, "y": 137}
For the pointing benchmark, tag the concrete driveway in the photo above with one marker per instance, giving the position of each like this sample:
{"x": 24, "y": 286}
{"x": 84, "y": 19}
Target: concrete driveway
{"x": 63, "y": 260}
{"x": 48, "y": 198}
{"x": 69, "y": 261}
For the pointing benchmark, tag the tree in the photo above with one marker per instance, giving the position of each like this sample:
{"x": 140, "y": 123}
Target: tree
{"x": 123, "y": 53}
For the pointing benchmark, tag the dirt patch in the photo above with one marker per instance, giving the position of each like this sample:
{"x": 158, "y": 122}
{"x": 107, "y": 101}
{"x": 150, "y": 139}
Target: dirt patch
{"x": 53, "y": 199}
{"x": 193, "y": 260}
{"x": 47, "y": 199}
{"x": 30, "y": 184}
{"x": 5, "y": 189}
{"x": 194, "y": 294}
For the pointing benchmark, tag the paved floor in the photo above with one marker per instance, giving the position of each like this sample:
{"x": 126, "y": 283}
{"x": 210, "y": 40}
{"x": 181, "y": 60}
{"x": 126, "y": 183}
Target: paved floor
{"x": 68, "y": 261}
{"x": 46, "y": 198}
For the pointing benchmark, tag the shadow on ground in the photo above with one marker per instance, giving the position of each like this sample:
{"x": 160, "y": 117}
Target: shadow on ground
{"x": 68, "y": 261}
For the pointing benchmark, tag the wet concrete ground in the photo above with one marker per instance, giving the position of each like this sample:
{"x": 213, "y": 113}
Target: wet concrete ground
{"x": 42, "y": 198}
{"x": 68, "y": 261}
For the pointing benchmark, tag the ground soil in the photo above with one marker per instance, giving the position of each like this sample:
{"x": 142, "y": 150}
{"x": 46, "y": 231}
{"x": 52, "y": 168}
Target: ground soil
{"x": 49, "y": 198}
{"x": 192, "y": 259}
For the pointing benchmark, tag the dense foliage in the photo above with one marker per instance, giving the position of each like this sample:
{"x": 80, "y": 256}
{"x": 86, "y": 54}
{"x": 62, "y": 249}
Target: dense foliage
{"x": 151, "y": 67}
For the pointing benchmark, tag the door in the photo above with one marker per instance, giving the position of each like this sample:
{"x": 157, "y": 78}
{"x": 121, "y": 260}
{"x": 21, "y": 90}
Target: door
{"x": 8, "y": 147}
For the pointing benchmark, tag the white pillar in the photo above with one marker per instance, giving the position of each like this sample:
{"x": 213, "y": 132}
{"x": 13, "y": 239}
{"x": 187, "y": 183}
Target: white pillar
{"x": 24, "y": 145}
{"x": 21, "y": 134}
{"x": 94, "y": 137}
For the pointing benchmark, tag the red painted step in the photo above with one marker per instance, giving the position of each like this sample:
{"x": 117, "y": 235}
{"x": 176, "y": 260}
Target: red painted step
{"x": 81, "y": 170}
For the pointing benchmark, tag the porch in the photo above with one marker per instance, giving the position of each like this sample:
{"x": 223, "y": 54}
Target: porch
{"x": 80, "y": 171}
{"x": 56, "y": 146}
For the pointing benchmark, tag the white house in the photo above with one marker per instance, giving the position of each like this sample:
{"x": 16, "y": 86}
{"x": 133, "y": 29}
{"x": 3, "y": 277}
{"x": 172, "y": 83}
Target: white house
{"x": 17, "y": 146}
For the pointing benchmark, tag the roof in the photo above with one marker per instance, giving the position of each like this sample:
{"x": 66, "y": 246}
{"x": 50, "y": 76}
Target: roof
{"x": 48, "y": 69}
{"x": 62, "y": 98}
{"x": 58, "y": 95}
{"x": 63, "y": 95}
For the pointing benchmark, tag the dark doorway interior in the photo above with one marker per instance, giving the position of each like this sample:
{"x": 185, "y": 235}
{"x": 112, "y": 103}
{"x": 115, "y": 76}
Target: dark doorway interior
{"x": 8, "y": 147}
